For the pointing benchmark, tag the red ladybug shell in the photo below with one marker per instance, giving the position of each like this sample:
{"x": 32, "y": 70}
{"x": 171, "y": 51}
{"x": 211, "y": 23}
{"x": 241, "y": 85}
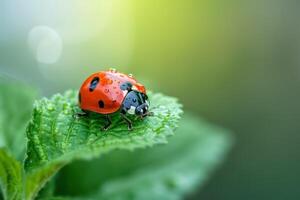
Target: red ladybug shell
{"x": 101, "y": 92}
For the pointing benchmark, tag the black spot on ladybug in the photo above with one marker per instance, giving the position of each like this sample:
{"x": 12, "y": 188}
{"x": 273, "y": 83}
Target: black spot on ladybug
{"x": 79, "y": 97}
{"x": 94, "y": 84}
{"x": 101, "y": 104}
{"x": 134, "y": 100}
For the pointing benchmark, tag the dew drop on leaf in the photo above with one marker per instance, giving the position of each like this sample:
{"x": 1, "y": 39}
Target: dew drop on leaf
{"x": 50, "y": 107}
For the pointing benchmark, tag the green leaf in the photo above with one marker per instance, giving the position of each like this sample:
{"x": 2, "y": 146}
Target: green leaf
{"x": 56, "y": 137}
{"x": 10, "y": 177}
{"x": 64, "y": 198}
{"x": 15, "y": 110}
{"x": 164, "y": 172}
{"x": 48, "y": 190}
{"x": 59, "y": 198}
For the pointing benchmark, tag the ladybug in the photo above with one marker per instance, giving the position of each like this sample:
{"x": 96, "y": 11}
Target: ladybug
{"x": 108, "y": 92}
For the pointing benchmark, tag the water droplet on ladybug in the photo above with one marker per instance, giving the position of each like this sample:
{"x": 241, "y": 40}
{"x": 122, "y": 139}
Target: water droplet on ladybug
{"x": 109, "y": 81}
{"x": 106, "y": 90}
{"x": 113, "y": 70}
{"x": 130, "y": 75}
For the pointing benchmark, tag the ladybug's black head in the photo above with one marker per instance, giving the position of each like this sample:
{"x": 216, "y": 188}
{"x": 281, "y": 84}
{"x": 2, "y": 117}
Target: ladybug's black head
{"x": 136, "y": 103}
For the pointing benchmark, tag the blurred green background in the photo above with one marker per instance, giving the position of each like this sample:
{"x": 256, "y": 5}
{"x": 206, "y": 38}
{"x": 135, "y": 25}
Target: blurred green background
{"x": 236, "y": 63}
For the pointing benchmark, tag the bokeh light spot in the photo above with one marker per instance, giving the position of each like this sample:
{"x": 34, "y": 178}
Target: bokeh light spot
{"x": 46, "y": 44}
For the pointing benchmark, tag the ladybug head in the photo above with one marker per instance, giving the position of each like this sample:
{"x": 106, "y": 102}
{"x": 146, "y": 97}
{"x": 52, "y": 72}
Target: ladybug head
{"x": 135, "y": 102}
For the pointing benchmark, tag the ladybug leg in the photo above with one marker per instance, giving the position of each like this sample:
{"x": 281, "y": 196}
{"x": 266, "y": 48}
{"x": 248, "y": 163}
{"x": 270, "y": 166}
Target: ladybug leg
{"x": 108, "y": 123}
{"x": 147, "y": 114}
{"x": 81, "y": 114}
{"x": 128, "y": 121}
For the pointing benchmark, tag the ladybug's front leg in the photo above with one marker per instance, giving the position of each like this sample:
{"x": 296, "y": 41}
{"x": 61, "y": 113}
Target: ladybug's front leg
{"x": 108, "y": 123}
{"x": 128, "y": 121}
{"x": 147, "y": 114}
{"x": 81, "y": 114}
